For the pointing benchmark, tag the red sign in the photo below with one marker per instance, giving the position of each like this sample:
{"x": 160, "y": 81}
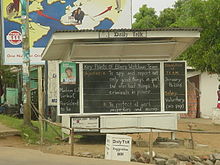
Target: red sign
{"x": 14, "y": 37}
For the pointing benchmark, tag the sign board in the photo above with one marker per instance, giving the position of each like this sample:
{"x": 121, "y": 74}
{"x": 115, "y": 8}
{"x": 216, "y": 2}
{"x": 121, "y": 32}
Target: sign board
{"x": 121, "y": 87}
{"x": 48, "y": 16}
{"x": 174, "y": 86}
{"x": 129, "y": 88}
{"x": 123, "y": 34}
{"x": 53, "y": 77}
{"x": 118, "y": 147}
{"x": 85, "y": 122}
{"x": 69, "y": 88}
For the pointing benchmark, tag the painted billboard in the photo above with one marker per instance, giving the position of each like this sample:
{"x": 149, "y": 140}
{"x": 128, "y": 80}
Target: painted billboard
{"x": 48, "y": 16}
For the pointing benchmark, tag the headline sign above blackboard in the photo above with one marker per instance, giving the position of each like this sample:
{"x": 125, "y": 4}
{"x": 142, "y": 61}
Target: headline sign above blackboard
{"x": 130, "y": 88}
{"x": 123, "y": 34}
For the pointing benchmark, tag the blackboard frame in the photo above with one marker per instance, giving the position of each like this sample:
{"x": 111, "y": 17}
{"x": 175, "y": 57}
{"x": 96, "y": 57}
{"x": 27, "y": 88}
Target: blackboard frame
{"x": 81, "y": 97}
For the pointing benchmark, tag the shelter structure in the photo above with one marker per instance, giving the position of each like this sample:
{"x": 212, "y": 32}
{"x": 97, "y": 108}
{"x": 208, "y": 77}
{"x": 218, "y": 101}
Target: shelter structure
{"x": 144, "y": 86}
{"x": 120, "y": 45}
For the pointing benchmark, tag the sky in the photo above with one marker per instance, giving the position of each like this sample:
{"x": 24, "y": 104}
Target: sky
{"x": 158, "y": 5}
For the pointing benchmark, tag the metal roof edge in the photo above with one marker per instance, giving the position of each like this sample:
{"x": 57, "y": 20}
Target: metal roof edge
{"x": 149, "y": 29}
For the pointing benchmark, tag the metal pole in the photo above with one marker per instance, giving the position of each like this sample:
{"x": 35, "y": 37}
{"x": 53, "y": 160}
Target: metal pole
{"x": 151, "y": 145}
{"x": 40, "y": 103}
{"x": 46, "y": 95}
{"x": 26, "y": 61}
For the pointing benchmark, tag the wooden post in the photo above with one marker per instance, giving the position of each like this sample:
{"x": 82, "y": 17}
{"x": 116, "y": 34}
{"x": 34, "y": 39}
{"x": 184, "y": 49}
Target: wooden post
{"x": 173, "y": 135}
{"x": 72, "y": 141}
{"x": 151, "y": 145}
{"x": 40, "y": 104}
{"x": 191, "y": 135}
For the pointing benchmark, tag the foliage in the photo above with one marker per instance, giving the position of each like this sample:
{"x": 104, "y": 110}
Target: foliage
{"x": 167, "y": 17}
{"x": 146, "y": 18}
{"x": 8, "y": 77}
{"x": 204, "y": 55}
{"x": 27, "y": 133}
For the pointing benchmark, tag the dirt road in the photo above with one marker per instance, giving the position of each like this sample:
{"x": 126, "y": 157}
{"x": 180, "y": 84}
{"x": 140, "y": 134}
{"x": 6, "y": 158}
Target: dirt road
{"x": 210, "y": 143}
{"x": 18, "y": 156}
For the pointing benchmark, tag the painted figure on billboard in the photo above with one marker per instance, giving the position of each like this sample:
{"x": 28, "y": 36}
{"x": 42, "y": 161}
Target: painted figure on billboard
{"x": 118, "y": 6}
{"x": 78, "y": 15}
{"x": 13, "y": 7}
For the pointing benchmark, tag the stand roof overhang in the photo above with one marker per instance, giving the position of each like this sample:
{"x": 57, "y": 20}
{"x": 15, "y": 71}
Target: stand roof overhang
{"x": 120, "y": 44}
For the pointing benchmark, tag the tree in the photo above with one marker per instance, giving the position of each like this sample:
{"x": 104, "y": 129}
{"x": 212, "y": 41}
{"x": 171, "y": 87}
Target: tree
{"x": 204, "y": 55}
{"x": 145, "y": 18}
{"x": 167, "y": 17}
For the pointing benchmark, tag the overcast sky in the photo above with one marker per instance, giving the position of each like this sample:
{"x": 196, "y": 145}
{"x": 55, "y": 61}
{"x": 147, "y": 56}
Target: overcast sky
{"x": 159, "y": 5}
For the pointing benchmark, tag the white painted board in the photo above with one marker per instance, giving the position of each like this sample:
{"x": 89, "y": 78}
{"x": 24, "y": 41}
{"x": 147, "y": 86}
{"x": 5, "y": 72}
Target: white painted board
{"x": 118, "y": 147}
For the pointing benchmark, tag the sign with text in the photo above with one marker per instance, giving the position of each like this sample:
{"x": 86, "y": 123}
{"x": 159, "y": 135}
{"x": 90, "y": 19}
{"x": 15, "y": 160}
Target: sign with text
{"x": 118, "y": 147}
{"x": 52, "y": 83}
{"x": 85, "y": 122}
{"x": 121, "y": 87}
{"x": 174, "y": 86}
{"x": 69, "y": 89}
{"x": 126, "y": 88}
{"x": 123, "y": 34}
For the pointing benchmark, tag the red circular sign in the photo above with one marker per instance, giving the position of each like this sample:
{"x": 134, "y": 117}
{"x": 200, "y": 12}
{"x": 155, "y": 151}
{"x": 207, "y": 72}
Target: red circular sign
{"x": 14, "y": 37}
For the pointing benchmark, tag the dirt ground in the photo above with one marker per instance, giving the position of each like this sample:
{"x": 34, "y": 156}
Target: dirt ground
{"x": 208, "y": 143}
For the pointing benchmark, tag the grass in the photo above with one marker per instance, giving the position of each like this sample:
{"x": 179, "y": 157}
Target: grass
{"x": 28, "y": 134}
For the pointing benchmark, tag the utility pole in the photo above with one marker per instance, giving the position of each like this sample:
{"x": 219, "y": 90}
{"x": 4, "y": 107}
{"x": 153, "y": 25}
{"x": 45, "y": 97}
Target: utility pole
{"x": 26, "y": 61}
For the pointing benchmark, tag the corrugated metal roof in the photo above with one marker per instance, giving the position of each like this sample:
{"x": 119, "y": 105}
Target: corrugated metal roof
{"x": 150, "y": 29}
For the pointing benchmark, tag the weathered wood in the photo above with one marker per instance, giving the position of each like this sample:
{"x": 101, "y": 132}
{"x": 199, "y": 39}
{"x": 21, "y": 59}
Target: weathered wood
{"x": 72, "y": 141}
{"x": 191, "y": 136}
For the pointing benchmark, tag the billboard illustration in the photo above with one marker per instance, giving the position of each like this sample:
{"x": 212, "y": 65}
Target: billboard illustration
{"x": 48, "y": 16}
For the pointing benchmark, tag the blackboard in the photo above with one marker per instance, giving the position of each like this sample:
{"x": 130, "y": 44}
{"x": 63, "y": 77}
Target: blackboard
{"x": 174, "y": 86}
{"x": 69, "y": 96}
{"x": 121, "y": 87}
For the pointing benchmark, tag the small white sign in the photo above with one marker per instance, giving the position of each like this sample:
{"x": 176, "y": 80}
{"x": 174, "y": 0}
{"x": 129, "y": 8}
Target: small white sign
{"x": 85, "y": 122}
{"x": 118, "y": 147}
{"x": 52, "y": 82}
{"x": 123, "y": 34}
